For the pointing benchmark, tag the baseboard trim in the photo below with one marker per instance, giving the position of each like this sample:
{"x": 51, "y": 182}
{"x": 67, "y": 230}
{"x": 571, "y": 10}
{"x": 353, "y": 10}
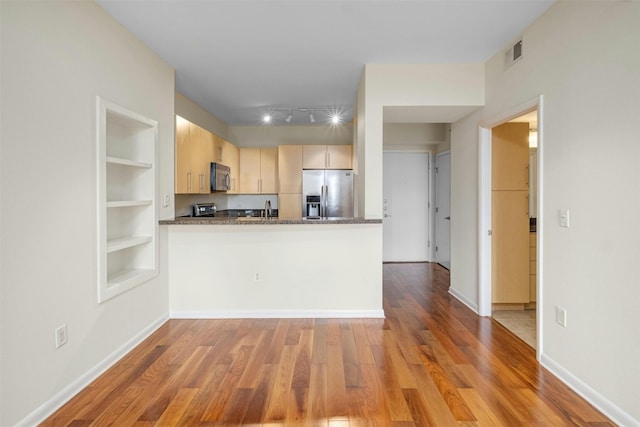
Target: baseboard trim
{"x": 64, "y": 395}
{"x": 604, "y": 405}
{"x": 283, "y": 314}
{"x": 463, "y": 299}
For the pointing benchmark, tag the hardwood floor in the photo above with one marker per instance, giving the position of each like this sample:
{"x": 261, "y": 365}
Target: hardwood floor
{"x": 431, "y": 362}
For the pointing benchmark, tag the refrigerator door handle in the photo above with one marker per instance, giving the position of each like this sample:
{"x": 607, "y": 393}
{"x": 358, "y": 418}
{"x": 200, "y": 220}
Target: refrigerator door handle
{"x": 326, "y": 201}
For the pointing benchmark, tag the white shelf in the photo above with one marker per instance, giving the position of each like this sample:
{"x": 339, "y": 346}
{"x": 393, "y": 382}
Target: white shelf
{"x": 127, "y": 208}
{"x": 127, "y": 162}
{"x": 126, "y": 242}
{"x": 128, "y": 203}
{"x": 129, "y": 277}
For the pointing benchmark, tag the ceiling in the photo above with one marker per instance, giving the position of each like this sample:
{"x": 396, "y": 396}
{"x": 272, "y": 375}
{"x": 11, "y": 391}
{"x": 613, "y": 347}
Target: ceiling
{"x": 241, "y": 58}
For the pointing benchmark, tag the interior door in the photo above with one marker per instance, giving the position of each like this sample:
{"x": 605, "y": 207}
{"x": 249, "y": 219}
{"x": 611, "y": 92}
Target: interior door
{"x": 405, "y": 226}
{"x": 443, "y": 209}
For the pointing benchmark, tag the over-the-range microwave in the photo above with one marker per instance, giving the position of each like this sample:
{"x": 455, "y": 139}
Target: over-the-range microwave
{"x": 220, "y": 177}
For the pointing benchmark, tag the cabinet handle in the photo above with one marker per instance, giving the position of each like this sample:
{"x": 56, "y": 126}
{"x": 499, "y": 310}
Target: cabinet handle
{"x": 526, "y": 205}
{"x": 526, "y": 175}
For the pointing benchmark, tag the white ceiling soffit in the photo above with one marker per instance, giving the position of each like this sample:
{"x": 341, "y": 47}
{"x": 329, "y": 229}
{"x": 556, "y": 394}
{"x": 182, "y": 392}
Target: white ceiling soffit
{"x": 238, "y": 58}
{"x": 426, "y": 114}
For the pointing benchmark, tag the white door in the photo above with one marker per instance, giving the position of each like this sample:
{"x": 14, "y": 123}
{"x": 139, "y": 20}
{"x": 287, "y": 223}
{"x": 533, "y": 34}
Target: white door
{"x": 443, "y": 209}
{"x": 405, "y": 226}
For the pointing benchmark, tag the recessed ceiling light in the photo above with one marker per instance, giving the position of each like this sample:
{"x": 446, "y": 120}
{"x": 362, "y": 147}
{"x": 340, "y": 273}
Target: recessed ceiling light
{"x": 335, "y": 119}
{"x": 267, "y": 118}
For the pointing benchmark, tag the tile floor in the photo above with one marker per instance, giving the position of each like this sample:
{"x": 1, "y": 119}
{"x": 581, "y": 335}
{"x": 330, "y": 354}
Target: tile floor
{"x": 521, "y": 322}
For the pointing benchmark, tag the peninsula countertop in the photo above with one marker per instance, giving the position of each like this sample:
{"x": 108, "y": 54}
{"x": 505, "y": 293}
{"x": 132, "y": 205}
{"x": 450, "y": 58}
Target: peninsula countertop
{"x": 264, "y": 221}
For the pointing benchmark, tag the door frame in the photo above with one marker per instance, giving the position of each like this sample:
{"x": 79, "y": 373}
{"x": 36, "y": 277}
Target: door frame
{"x": 433, "y": 206}
{"x": 484, "y": 209}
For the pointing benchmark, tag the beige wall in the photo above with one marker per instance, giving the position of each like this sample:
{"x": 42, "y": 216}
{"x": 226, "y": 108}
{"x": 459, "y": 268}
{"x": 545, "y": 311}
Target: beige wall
{"x": 57, "y": 56}
{"x": 187, "y": 109}
{"x": 583, "y": 58}
{"x": 413, "y": 136}
{"x": 406, "y": 85}
{"x": 272, "y": 136}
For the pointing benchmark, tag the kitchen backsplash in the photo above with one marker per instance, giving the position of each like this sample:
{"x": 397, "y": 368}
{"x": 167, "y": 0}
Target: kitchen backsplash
{"x": 184, "y": 202}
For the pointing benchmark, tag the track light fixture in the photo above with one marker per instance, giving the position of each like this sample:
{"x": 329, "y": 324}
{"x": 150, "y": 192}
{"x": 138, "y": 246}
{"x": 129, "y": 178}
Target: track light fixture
{"x": 275, "y": 114}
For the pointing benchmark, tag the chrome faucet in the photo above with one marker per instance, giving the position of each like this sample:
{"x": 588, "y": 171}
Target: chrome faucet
{"x": 267, "y": 209}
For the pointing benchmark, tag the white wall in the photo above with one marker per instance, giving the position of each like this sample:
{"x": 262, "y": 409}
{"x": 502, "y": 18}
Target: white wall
{"x": 57, "y": 56}
{"x": 272, "y": 136}
{"x": 406, "y": 85}
{"x": 584, "y": 58}
{"x": 320, "y": 270}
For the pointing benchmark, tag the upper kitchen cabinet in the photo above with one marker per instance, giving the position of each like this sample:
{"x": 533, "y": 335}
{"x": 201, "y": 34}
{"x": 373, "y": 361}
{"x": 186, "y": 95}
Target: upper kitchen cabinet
{"x": 258, "y": 170}
{"x": 326, "y": 157}
{"x": 126, "y": 212}
{"x": 195, "y": 148}
{"x": 510, "y": 157}
{"x": 230, "y": 156}
{"x": 290, "y": 169}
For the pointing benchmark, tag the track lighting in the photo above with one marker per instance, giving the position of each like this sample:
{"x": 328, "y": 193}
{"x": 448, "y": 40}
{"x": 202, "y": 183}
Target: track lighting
{"x": 274, "y": 115}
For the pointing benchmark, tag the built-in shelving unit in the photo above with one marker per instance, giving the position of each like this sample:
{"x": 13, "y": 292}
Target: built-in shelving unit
{"x": 127, "y": 218}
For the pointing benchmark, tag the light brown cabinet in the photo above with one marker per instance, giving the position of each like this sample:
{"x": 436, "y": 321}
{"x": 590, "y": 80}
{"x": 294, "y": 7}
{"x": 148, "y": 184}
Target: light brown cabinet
{"x": 510, "y": 157}
{"x": 230, "y": 156}
{"x": 510, "y": 213}
{"x": 290, "y": 169}
{"x": 326, "y": 156}
{"x": 290, "y": 181}
{"x": 532, "y": 267}
{"x": 258, "y": 170}
{"x": 510, "y": 247}
{"x": 194, "y": 153}
{"x": 289, "y": 205}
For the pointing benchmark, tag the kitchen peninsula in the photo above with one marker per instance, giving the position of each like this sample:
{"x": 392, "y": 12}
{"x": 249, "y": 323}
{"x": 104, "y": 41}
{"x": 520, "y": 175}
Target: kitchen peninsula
{"x": 230, "y": 268}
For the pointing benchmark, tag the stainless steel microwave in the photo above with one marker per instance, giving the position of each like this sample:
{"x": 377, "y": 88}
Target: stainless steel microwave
{"x": 220, "y": 177}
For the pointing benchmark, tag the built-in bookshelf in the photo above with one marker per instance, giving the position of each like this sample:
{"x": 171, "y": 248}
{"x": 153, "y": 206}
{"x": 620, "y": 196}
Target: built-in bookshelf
{"x": 127, "y": 218}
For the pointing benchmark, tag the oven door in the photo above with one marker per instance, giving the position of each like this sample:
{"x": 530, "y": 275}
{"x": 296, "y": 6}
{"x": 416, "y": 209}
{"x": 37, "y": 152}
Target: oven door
{"x": 220, "y": 177}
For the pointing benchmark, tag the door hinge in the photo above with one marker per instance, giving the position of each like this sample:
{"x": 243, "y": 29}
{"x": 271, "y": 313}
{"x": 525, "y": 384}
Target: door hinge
{"x": 489, "y": 233}
{"x": 436, "y": 169}
{"x": 436, "y": 209}
{"x": 428, "y": 243}
{"x": 436, "y": 249}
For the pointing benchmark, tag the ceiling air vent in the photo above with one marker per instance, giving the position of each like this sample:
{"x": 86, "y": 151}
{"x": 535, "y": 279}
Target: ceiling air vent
{"x": 513, "y": 54}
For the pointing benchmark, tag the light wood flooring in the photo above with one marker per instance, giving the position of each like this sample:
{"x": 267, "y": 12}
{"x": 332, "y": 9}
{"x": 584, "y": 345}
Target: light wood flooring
{"x": 431, "y": 362}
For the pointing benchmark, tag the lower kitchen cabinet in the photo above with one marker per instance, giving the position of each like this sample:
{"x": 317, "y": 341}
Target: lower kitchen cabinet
{"x": 532, "y": 267}
{"x": 510, "y": 247}
{"x": 289, "y": 205}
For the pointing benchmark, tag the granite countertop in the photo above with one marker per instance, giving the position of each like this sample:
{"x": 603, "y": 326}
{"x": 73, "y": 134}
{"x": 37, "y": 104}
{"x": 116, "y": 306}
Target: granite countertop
{"x": 260, "y": 221}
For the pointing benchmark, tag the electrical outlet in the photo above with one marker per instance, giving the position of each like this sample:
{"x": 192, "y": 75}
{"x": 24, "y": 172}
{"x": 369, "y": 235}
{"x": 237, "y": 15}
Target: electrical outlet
{"x": 61, "y": 335}
{"x": 257, "y": 277}
{"x": 165, "y": 200}
{"x": 561, "y": 316}
{"x": 564, "y": 218}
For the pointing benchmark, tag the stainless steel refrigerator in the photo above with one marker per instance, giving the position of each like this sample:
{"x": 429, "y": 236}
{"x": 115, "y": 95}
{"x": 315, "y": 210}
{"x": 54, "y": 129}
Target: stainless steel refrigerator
{"x": 327, "y": 193}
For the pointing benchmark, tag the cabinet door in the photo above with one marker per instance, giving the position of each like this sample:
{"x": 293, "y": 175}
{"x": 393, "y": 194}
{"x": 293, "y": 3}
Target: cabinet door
{"x": 289, "y": 206}
{"x": 290, "y": 169}
{"x": 510, "y": 246}
{"x": 183, "y": 157}
{"x": 250, "y": 170}
{"x": 314, "y": 156}
{"x": 338, "y": 156}
{"x": 510, "y": 157}
{"x": 231, "y": 158}
{"x": 202, "y": 146}
{"x": 269, "y": 170}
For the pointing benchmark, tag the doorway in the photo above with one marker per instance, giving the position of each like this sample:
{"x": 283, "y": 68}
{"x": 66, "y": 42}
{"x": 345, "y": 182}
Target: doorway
{"x": 494, "y": 221}
{"x": 405, "y": 226}
{"x": 443, "y": 209}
